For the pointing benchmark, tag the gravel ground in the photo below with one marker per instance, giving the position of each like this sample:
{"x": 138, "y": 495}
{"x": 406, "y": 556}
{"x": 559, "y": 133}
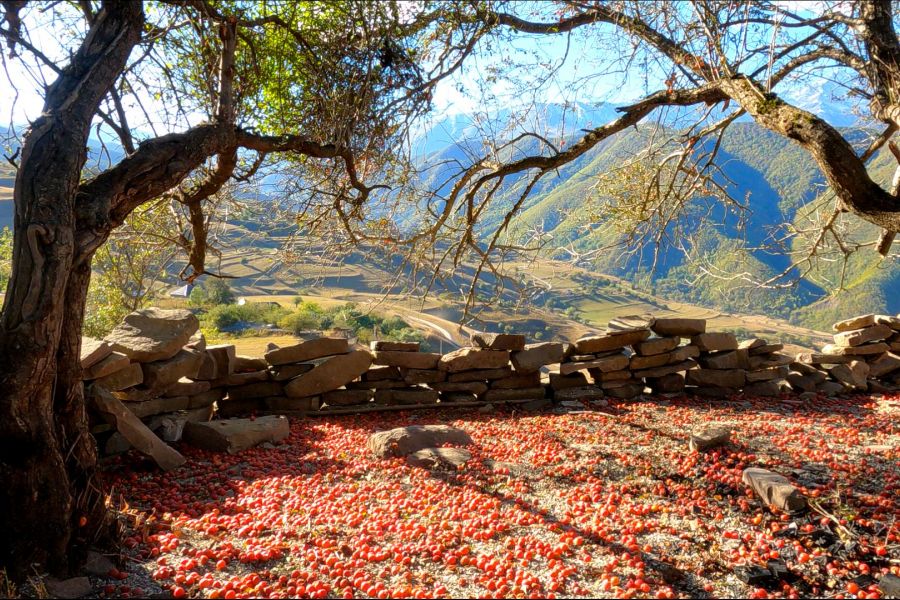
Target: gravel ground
{"x": 584, "y": 503}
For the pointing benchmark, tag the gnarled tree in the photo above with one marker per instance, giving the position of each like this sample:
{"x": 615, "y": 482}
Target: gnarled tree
{"x": 224, "y": 89}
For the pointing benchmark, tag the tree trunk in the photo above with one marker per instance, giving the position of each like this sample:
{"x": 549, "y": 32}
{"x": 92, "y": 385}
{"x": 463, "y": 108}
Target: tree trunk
{"x": 47, "y": 458}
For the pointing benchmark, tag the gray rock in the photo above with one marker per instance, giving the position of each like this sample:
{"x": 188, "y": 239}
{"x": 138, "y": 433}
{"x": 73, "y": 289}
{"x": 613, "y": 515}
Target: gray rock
{"x": 767, "y": 374}
{"x": 763, "y": 388}
{"x": 679, "y": 327}
{"x": 98, "y": 564}
{"x": 471, "y": 387}
{"x": 588, "y": 392}
{"x": 708, "y": 438}
{"x": 802, "y": 383}
{"x": 308, "y": 350}
{"x": 381, "y": 373}
{"x": 816, "y": 358}
{"x": 186, "y": 387}
{"x": 890, "y": 320}
{"x": 831, "y": 388}
{"x": 235, "y": 435}
{"x": 889, "y": 585}
{"x": 561, "y": 382}
{"x": 774, "y": 489}
{"x": 403, "y": 441}
{"x": 650, "y": 362}
{"x": 855, "y": 351}
{"x": 536, "y": 405}
{"x": 236, "y": 379}
{"x": 627, "y": 391}
{"x": 152, "y": 334}
{"x": 331, "y": 374}
{"x": 439, "y": 458}
{"x": 657, "y": 372}
{"x": 884, "y": 364}
{"x": 667, "y": 384}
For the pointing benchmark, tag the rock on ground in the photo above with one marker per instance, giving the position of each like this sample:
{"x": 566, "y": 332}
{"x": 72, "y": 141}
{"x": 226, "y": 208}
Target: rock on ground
{"x": 436, "y": 458}
{"x": 709, "y": 437}
{"x": 403, "y": 441}
{"x": 774, "y": 489}
{"x": 235, "y": 435}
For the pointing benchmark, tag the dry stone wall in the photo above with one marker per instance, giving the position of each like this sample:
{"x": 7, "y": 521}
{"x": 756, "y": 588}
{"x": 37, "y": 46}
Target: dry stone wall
{"x": 156, "y": 372}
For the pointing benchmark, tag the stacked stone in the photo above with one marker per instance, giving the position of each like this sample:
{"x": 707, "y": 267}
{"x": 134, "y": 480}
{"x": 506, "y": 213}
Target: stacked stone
{"x": 723, "y": 366}
{"x": 522, "y": 381}
{"x": 399, "y": 371}
{"x": 149, "y": 363}
{"x": 606, "y": 359}
{"x": 865, "y": 356}
{"x": 301, "y": 377}
{"x": 767, "y": 367}
{"x": 662, "y": 362}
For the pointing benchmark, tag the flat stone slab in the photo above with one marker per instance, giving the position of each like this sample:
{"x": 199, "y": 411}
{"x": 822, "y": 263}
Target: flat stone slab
{"x": 610, "y": 341}
{"x": 130, "y": 376}
{"x": 439, "y": 458}
{"x": 685, "y": 365}
{"x": 854, "y": 351}
{"x": 667, "y": 384}
{"x": 114, "y": 361}
{"x": 535, "y": 356}
{"x": 416, "y": 376}
{"x": 134, "y": 430}
{"x": 709, "y": 437}
{"x": 262, "y": 389}
{"x": 499, "y": 341}
{"x": 346, "y": 397}
{"x": 714, "y": 341}
{"x": 318, "y": 348}
{"x": 658, "y": 345}
{"x": 501, "y": 395}
{"x": 610, "y": 363}
{"x": 587, "y": 392}
{"x": 630, "y": 323}
{"x": 650, "y": 362}
{"x": 470, "y": 359}
{"x": 858, "y": 337}
{"x": 729, "y": 359}
{"x": 481, "y": 375}
{"x": 376, "y": 345}
{"x": 93, "y": 351}
{"x": 774, "y": 489}
{"x": 408, "y": 396}
{"x": 884, "y": 364}
{"x": 403, "y": 441}
{"x": 286, "y": 372}
{"x": 855, "y": 323}
{"x": 854, "y": 374}
{"x": 161, "y": 373}
{"x": 331, "y": 374}
{"x": 528, "y": 379}
{"x": 153, "y": 334}
{"x": 235, "y": 435}
{"x": 679, "y": 327}
{"x": 563, "y": 382}
{"x": 408, "y": 360}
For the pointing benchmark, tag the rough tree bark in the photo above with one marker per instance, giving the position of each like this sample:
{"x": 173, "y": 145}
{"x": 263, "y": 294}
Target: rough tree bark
{"x": 47, "y": 456}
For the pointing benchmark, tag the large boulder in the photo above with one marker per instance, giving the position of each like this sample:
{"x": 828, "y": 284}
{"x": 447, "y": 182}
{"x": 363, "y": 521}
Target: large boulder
{"x": 235, "y": 435}
{"x": 330, "y": 375}
{"x": 151, "y": 334}
{"x": 403, "y": 441}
